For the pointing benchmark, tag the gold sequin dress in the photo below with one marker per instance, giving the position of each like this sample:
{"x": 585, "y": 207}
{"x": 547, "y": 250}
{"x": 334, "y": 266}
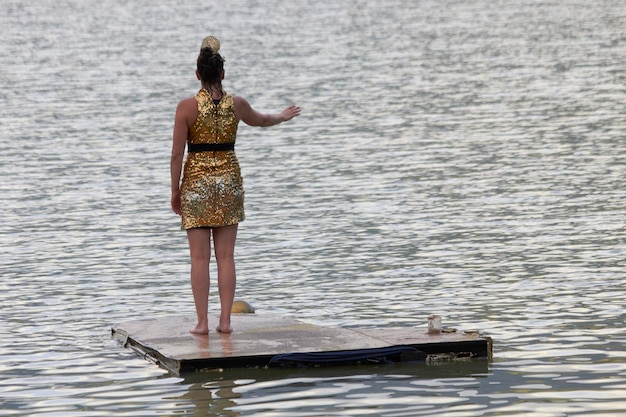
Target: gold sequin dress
{"x": 212, "y": 187}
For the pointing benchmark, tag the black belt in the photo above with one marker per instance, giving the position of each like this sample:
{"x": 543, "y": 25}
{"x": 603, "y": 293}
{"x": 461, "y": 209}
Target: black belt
{"x": 210, "y": 147}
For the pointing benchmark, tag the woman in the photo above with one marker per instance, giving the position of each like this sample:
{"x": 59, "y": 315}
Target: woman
{"x": 210, "y": 197}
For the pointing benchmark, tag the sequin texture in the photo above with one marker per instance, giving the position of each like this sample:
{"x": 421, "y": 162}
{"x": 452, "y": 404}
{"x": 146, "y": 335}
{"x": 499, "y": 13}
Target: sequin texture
{"x": 212, "y": 191}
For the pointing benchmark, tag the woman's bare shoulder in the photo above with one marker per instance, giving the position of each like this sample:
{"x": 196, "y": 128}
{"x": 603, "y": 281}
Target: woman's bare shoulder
{"x": 238, "y": 100}
{"x": 187, "y": 102}
{"x": 187, "y": 107}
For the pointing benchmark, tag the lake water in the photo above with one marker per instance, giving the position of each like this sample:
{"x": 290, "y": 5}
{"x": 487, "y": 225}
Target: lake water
{"x": 461, "y": 158}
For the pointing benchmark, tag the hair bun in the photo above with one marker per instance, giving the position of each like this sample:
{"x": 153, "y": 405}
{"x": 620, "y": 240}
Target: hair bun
{"x": 211, "y": 42}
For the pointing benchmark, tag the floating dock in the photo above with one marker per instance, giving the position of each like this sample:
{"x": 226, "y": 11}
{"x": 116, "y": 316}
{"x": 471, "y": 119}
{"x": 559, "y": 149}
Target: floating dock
{"x": 260, "y": 340}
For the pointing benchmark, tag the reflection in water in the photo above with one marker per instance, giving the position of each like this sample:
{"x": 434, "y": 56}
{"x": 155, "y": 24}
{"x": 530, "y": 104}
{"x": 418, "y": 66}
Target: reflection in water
{"x": 301, "y": 392}
{"x": 208, "y": 344}
{"x": 211, "y": 398}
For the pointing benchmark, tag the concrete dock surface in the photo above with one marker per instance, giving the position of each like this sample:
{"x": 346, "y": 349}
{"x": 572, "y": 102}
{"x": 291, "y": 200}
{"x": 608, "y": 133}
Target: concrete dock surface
{"x": 258, "y": 338}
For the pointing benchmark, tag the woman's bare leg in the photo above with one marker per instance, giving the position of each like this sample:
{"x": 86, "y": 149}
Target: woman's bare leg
{"x": 200, "y": 252}
{"x": 224, "y": 242}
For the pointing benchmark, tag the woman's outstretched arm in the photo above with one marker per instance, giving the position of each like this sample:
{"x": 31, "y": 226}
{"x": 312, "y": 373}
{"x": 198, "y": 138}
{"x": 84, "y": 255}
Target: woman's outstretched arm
{"x": 251, "y": 117}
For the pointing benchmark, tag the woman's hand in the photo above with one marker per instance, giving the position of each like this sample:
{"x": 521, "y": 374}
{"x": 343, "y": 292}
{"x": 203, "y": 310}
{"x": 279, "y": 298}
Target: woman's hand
{"x": 289, "y": 113}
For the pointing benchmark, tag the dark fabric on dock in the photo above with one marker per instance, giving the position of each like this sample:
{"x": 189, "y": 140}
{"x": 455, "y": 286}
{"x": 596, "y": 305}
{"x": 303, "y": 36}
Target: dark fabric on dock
{"x": 386, "y": 355}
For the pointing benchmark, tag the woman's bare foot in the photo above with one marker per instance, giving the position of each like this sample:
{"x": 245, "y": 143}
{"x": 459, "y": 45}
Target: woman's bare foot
{"x": 224, "y": 328}
{"x": 200, "y": 329}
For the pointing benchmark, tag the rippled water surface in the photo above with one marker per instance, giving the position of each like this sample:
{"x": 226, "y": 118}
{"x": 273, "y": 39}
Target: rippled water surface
{"x": 462, "y": 158}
